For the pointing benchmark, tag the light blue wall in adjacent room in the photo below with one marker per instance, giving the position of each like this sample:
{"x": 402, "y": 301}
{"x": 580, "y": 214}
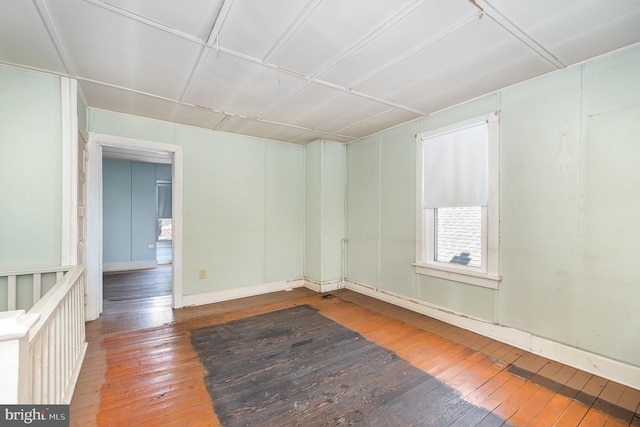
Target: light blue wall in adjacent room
{"x": 130, "y": 209}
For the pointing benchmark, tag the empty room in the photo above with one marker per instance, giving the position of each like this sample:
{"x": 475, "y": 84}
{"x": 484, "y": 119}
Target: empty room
{"x": 320, "y": 212}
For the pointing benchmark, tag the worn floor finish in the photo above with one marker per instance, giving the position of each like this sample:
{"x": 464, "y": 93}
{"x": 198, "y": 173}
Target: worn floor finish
{"x": 297, "y": 367}
{"x": 141, "y": 368}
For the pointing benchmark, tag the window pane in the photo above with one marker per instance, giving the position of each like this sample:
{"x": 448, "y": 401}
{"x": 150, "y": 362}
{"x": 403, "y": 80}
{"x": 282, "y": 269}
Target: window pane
{"x": 164, "y": 229}
{"x": 459, "y": 235}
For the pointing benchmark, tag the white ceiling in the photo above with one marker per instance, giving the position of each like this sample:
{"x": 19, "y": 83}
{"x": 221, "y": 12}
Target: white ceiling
{"x": 299, "y": 70}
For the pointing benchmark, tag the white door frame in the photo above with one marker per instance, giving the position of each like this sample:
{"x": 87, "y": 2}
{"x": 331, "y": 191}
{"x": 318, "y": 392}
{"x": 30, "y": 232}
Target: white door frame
{"x": 94, "y": 212}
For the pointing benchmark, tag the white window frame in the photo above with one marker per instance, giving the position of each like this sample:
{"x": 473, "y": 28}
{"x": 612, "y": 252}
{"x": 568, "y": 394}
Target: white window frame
{"x": 488, "y": 274}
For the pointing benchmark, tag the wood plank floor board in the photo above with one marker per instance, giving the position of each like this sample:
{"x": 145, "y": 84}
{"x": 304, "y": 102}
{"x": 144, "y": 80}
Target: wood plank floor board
{"x": 516, "y": 400}
{"x": 572, "y": 415}
{"x": 593, "y": 418}
{"x": 420, "y": 342}
{"x": 528, "y": 412}
{"x": 467, "y": 364}
{"x": 473, "y": 372}
{"x": 141, "y": 368}
{"x": 550, "y": 413}
{"x": 475, "y": 384}
{"x": 630, "y": 400}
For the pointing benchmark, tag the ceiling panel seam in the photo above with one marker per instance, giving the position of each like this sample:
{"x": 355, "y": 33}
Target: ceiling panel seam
{"x": 418, "y": 48}
{"x": 287, "y": 96}
{"x": 219, "y": 22}
{"x": 359, "y": 122}
{"x": 213, "y": 110}
{"x": 195, "y": 73}
{"x": 47, "y": 20}
{"x": 221, "y": 122}
{"x": 289, "y": 125}
{"x": 317, "y": 81}
{"x": 302, "y": 17}
{"x": 504, "y": 22}
{"x": 146, "y": 21}
{"x": 372, "y": 35}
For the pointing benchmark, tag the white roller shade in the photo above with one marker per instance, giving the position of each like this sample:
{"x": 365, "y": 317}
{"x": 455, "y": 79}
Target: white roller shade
{"x": 456, "y": 167}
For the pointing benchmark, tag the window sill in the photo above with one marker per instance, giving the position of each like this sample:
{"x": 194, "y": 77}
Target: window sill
{"x": 469, "y": 277}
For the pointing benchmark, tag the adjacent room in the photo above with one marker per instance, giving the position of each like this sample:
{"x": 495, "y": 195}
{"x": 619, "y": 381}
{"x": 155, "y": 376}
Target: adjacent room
{"x": 235, "y": 212}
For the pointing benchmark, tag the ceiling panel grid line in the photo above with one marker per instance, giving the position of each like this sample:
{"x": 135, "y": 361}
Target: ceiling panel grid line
{"x": 54, "y": 36}
{"x": 195, "y": 73}
{"x": 309, "y": 79}
{"x": 213, "y": 110}
{"x": 518, "y": 33}
{"x": 299, "y": 70}
{"x": 358, "y": 123}
{"x": 292, "y": 126}
{"x": 418, "y": 48}
{"x": 395, "y": 19}
{"x": 146, "y": 21}
{"x": 292, "y": 29}
{"x": 219, "y": 22}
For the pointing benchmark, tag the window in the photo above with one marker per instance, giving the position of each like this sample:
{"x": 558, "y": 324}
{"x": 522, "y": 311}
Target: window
{"x": 458, "y": 202}
{"x": 165, "y": 222}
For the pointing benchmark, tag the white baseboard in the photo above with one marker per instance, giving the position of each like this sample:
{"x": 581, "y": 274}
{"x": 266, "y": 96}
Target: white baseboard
{"x": 247, "y": 291}
{"x": 321, "y": 287}
{"x": 164, "y": 259}
{"x": 596, "y": 364}
{"x": 129, "y": 265}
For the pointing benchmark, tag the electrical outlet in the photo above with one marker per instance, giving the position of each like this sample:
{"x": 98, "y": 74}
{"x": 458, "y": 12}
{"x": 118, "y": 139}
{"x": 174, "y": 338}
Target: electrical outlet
{"x": 203, "y": 274}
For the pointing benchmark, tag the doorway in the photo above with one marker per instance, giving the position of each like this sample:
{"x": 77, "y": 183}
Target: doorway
{"x": 101, "y": 145}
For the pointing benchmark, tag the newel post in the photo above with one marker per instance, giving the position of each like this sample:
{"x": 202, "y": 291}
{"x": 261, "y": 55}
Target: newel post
{"x": 15, "y": 369}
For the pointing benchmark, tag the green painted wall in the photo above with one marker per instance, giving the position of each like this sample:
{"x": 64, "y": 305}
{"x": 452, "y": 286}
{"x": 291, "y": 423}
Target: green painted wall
{"x": 569, "y": 197}
{"x": 324, "y": 209}
{"x": 243, "y": 202}
{"x": 30, "y": 176}
{"x": 82, "y": 113}
{"x": 313, "y": 211}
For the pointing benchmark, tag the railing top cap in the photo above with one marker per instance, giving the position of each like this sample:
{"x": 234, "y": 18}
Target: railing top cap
{"x": 15, "y": 324}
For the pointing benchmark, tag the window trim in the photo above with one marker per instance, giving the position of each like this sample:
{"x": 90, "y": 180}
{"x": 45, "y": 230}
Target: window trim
{"x": 488, "y": 275}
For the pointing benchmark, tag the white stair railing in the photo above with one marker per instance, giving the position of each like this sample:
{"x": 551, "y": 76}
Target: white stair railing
{"x": 31, "y": 278}
{"x": 42, "y": 350}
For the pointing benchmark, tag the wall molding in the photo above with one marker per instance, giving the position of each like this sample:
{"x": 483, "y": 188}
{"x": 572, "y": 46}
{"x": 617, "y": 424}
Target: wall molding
{"x": 129, "y": 265}
{"x": 246, "y": 291}
{"x": 96, "y": 143}
{"x": 326, "y": 286}
{"x": 164, "y": 259}
{"x": 596, "y": 364}
{"x": 69, "y": 135}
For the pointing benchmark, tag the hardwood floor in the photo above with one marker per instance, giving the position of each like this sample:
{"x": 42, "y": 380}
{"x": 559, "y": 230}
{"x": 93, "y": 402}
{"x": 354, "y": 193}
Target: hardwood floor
{"x": 141, "y": 368}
